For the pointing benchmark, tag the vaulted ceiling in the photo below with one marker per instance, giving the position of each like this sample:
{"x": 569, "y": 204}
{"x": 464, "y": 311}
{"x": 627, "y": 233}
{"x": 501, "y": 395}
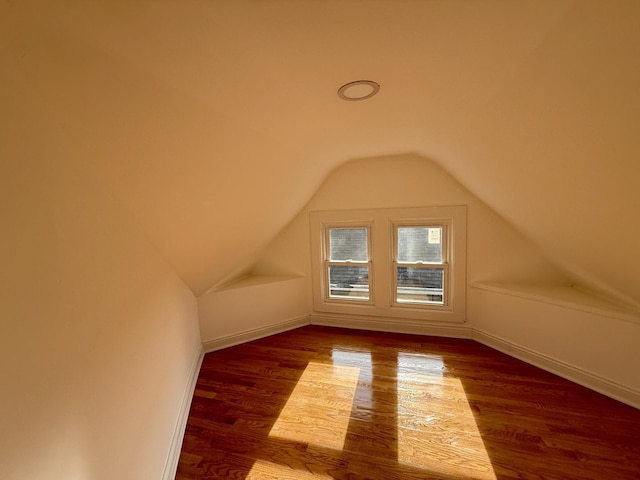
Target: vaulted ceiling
{"x": 212, "y": 123}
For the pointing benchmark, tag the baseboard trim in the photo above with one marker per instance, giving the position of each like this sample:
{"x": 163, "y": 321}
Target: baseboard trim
{"x": 254, "y": 334}
{"x": 392, "y": 325}
{"x": 171, "y": 465}
{"x": 570, "y": 372}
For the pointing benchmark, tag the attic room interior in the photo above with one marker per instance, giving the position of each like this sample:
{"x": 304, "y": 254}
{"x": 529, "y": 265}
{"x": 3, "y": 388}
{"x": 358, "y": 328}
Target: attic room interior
{"x": 175, "y": 175}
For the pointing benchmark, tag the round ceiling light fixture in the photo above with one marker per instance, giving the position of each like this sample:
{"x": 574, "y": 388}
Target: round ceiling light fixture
{"x": 358, "y": 90}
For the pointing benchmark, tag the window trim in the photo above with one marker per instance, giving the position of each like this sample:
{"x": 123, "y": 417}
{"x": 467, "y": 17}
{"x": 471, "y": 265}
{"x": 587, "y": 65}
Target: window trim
{"x": 444, "y": 224}
{"x": 327, "y": 262}
{"x": 381, "y": 271}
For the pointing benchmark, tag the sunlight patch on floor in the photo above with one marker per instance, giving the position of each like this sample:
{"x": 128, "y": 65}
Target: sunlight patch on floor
{"x": 319, "y": 408}
{"x": 262, "y": 470}
{"x": 436, "y": 424}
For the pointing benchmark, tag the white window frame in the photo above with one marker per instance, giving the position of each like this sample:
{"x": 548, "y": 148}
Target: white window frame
{"x": 327, "y": 262}
{"x": 382, "y": 225}
{"x": 444, "y": 264}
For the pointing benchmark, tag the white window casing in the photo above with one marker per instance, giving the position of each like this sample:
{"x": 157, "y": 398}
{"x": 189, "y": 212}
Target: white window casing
{"x": 438, "y": 302}
{"x": 441, "y": 263}
{"x": 354, "y": 291}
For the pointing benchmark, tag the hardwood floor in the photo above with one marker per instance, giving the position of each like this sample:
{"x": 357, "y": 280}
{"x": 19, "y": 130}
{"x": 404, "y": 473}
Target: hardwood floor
{"x": 322, "y": 403}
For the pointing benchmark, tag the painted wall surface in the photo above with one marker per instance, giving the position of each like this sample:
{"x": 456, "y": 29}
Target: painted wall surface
{"x": 495, "y": 250}
{"x": 531, "y": 105}
{"x": 99, "y": 337}
{"x": 596, "y": 344}
{"x": 252, "y": 304}
{"x": 578, "y": 165}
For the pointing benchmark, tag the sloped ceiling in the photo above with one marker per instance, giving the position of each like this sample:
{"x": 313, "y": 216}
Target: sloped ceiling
{"x": 213, "y": 122}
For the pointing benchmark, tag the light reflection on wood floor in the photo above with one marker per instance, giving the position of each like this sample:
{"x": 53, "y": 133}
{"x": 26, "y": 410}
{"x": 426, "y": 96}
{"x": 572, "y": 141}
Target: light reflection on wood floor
{"x": 437, "y": 431}
{"x": 318, "y": 410}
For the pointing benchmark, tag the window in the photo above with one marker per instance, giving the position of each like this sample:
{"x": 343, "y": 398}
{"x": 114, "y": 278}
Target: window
{"x": 420, "y": 264}
{"x": 347, "y": 263}
{"x": 395, "y": 263}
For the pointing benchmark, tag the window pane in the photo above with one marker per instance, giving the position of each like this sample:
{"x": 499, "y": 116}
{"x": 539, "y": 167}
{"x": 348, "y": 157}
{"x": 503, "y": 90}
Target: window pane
{"x": 349, "y": 282}
{"x": 420, "y": 285}
{"x": 348, "y": 244}
{"x": 420, "y": 244}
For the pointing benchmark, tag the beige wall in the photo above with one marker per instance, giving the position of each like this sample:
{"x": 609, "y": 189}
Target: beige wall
{"x": 592, "y": 347}
{"x": 495, "y": 250}
{"x": 251, "y": 308}
{"x": 99, "y": 336}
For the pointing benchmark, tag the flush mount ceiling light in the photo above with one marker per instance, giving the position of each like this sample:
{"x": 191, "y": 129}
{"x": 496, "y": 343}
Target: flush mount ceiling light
{"x": 358, "y": 90}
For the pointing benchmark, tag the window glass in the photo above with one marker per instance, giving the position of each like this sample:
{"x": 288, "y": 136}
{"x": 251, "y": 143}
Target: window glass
{"x": 349, "y": 281}
{"x": 348, "y": 244}
{"x": 420, "y": 244}
{"x": 420, "y": 285}
{"x": 348, "y": 250}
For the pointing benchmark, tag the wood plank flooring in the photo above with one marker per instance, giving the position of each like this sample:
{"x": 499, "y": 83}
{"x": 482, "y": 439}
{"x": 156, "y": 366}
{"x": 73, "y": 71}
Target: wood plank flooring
{"x": 326, "y": 403}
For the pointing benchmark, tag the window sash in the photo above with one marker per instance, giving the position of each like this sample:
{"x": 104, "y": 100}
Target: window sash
{"x": 351, "y": 286}
{"x": 423, "y": 296}
{"x": 352, "y": 289}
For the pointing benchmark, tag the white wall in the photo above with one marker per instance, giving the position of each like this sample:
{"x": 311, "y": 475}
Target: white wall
{"x": 495, "y": 250}
{"x": 594, "y": 348}
{"x": 252, "y": 308}
{"x": 99, "y": 337}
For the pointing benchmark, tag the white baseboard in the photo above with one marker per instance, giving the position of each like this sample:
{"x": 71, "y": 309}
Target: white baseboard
{"x": 254, "y": 334}
{"x": 393, "y": 325}
{"x": 570, "y": 372}
{"x": 171, "y": 465}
